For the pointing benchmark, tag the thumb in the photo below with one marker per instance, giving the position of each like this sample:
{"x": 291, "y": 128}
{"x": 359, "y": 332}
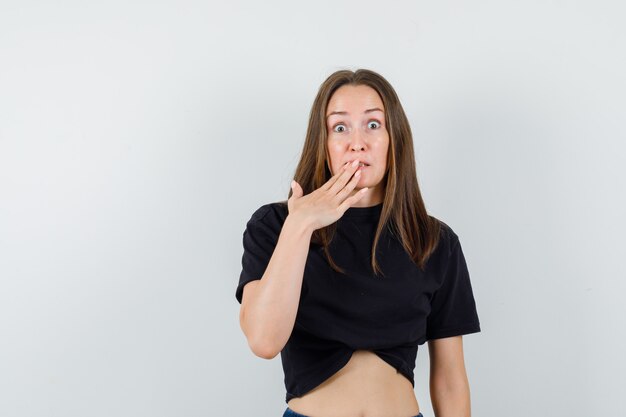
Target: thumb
{"x": 297, "y": 190}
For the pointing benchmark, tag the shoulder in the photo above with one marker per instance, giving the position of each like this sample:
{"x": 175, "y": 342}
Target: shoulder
{"x": 271, "y": 214}
{"x": 448, "y": 239}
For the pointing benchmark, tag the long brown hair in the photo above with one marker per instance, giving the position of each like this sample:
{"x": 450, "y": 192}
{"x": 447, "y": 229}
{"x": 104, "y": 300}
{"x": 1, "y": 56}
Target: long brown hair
{"x": 403, "y": 211}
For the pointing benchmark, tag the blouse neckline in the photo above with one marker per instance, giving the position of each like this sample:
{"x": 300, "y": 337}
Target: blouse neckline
{"x": 364, "y": 212}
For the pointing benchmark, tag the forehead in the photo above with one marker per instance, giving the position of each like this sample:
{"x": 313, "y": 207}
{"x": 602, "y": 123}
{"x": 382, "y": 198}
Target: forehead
{"x": 354, "y": 99}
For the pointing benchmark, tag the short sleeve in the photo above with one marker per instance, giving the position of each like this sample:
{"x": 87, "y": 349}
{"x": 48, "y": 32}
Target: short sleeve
{"x": 453, "y": 308}
{"x": 259, "y": 240}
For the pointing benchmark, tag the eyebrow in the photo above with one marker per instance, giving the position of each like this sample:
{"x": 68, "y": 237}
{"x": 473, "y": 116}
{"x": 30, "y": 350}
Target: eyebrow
{"x": 345, "y": 112}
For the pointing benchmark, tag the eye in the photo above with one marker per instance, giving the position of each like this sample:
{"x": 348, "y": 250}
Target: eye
{"x": 376, "y": 122}
{"x": 339, "y": 125}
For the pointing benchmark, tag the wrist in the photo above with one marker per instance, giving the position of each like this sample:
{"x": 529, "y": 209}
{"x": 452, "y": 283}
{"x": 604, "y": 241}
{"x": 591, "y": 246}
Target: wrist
{"x": 298, "y": 224}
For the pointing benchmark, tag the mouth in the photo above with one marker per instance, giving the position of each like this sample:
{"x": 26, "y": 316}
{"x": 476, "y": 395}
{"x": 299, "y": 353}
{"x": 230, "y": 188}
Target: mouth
{"x": 361, "y": 164}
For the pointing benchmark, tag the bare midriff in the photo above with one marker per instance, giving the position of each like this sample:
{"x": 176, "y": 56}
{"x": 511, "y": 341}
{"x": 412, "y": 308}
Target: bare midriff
{"x": 366, "y": 386}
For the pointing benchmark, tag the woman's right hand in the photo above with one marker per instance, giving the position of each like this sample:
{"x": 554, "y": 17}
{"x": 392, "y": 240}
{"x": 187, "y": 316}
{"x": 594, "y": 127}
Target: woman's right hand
{"x": 327, "y": 204}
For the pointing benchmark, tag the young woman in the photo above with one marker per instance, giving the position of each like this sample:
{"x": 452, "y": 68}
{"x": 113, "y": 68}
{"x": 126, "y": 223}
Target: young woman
{"x": 350, "y": 274}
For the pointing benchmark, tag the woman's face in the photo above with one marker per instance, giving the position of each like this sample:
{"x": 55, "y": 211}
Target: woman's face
{"x": 355, "y": 122}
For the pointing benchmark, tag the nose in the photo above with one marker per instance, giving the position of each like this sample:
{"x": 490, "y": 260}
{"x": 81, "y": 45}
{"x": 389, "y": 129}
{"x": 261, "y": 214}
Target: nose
{"x": 357, "y": 143}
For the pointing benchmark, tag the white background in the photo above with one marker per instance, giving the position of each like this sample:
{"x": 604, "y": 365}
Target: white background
{"x": 137, "y": 138}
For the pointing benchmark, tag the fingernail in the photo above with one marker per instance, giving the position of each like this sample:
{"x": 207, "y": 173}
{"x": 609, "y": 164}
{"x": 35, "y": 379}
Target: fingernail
{"x": 355, "y": 162}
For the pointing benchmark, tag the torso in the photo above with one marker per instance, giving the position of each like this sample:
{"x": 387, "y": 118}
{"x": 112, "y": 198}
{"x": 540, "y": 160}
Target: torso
{"x": 366, "y": 386}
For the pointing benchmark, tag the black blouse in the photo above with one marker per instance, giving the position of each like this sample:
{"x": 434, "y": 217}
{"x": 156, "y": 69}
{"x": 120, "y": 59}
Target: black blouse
{"x": 338, "y": 314}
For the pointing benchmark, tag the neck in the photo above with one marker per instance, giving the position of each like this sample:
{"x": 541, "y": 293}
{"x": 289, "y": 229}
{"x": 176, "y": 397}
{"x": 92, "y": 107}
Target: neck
{"x": 372, "y": 197}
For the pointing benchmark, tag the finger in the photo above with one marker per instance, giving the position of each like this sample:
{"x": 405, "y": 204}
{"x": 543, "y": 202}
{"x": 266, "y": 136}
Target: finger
{"x": 344, "y": 178}
{"x": 348, "y": 202}
{"x": 297, "y": 189}
{"x": 334, "y": 178}
{"x": 347, "y": 189}
{"x": 333, "y": 182}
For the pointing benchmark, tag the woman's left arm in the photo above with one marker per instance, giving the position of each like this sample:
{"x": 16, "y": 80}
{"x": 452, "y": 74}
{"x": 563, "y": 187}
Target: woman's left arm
{"x": 449, "y": 386}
